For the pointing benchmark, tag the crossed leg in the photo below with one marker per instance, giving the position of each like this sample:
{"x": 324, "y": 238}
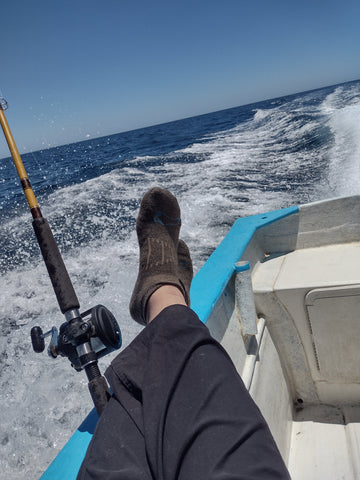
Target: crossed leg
{"x": 179, "y": 409}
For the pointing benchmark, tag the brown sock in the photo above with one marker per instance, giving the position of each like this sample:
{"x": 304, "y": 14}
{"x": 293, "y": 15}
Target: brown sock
{"x": 185, "y": 269}
{"x": 157, "y": 226}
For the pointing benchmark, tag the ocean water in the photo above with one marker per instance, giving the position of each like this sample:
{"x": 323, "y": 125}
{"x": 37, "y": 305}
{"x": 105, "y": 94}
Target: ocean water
{"x": 221, "y": 166}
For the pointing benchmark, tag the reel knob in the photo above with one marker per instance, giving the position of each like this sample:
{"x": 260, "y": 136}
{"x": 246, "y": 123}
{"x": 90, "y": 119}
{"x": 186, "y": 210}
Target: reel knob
{"x": 37, "y": 339}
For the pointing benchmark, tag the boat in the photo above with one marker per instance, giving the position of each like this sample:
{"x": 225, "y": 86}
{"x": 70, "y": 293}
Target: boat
{"x": 281, "y": 293}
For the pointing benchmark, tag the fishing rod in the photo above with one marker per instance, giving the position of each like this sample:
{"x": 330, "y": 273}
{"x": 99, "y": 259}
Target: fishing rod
{"x": 84, "y": 337}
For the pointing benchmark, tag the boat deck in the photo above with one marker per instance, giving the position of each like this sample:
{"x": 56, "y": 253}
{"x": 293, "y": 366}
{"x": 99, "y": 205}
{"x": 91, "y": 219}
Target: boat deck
{"x": 329, "y": 439}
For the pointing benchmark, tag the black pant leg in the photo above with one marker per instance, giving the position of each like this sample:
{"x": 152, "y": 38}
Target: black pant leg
{"x": 117, "y": 449}
{"x": 196, "y": 419}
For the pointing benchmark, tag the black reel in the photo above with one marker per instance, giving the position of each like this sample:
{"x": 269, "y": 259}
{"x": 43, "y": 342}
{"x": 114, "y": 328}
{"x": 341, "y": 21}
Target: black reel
{"x": 83, "y": 339}
{"x": 97, "y": 328}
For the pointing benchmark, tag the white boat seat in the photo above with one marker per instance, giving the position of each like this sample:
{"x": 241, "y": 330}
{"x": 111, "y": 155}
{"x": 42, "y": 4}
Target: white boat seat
{"x": 312, "y": 302}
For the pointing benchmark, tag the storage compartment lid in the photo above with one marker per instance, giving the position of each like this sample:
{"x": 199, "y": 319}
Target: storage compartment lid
{"x": 334, "y": 317}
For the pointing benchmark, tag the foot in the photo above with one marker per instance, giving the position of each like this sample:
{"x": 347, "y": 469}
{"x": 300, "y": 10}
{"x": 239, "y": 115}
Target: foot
{"x": 157, "y": 227}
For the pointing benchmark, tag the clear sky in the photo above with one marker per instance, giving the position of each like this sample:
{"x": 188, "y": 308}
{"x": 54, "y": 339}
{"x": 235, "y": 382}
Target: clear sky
{"x": 77, "y": 69}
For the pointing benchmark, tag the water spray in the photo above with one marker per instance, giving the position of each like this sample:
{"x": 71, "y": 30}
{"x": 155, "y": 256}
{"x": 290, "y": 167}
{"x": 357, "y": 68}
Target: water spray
{"x": 84, "y": 337}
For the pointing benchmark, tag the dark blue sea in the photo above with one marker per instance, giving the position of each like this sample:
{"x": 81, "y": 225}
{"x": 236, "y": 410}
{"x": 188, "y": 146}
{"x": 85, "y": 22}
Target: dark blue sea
{"x": 221, "y": 166}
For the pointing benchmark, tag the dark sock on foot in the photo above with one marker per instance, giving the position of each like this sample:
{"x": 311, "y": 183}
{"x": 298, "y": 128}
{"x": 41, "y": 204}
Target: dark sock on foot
{"x": 157, "y": 227}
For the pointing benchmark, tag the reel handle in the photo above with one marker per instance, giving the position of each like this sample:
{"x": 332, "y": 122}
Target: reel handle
{"x": 37, "y": 339}
{"x": 38, "y": 342}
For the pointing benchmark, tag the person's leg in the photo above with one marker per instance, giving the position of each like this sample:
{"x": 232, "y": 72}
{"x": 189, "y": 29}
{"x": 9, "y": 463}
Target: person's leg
{"x": 199, "y": 421}
{"x": 118, "y": 448}
{"x": 176, "y": 386}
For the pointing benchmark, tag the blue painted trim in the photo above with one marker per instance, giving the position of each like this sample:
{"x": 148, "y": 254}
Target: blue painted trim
{"x": 241, "y": 268}
{"x": 211, "y": 280}
{"x": 67, "y": 463}
{"x": 206, "y": 289}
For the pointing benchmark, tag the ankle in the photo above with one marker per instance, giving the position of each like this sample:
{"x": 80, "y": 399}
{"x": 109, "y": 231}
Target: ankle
{"x": 163, "y": 297}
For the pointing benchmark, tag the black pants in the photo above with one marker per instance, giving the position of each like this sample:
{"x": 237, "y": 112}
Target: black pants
{"x": 179, "y": 411}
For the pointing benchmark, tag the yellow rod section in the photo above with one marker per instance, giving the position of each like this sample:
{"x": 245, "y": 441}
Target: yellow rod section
{"x": 30, "y": 196}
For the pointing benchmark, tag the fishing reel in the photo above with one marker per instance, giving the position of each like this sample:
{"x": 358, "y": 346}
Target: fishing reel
{"x": 83, "y": 339}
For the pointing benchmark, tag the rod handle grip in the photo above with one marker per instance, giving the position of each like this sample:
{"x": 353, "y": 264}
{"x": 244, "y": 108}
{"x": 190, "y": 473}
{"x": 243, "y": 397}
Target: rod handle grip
{"x": 100, "y": 393}
{"x": 58, "y": 274}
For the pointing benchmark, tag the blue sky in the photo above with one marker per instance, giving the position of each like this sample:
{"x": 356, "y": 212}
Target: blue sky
{"x": 75, "y": 69}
